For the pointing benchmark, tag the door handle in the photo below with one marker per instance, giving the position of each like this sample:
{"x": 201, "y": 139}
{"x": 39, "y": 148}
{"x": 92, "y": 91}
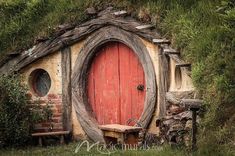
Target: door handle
{"x": 140, "y": 87}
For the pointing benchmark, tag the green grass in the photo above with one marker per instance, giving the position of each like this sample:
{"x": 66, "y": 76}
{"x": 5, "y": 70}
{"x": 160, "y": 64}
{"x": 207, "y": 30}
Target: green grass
{"x": 68, "y": 150}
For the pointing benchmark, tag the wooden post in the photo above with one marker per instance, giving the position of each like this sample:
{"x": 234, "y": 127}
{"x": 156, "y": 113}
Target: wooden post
{"x": 40, "y": 141}
{"x": 62, "y": 139}
{"x": 194, "y": 105}
{"x": 194, "y": 128}
{"x": 66, "y": 88}
{"x": 163, "y": 84}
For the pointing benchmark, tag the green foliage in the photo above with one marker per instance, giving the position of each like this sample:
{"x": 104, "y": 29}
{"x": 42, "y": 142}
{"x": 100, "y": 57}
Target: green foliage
{"x": 14, "y": 114}
{"x": 204, "y": 32}
{"x": 17, "y": 117}
{"x": 41, "y": 113}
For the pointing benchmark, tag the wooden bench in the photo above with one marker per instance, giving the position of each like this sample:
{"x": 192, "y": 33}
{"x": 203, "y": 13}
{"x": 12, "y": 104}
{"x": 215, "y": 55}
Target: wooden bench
{"x": 58, "y": 133}
{"x": 121, "y": 134}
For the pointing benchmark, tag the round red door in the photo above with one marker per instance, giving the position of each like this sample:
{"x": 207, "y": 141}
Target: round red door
{"x": 116, "y": 84}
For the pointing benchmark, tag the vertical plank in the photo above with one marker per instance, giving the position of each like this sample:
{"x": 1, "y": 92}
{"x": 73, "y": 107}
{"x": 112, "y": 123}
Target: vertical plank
{"x": 91, "y": 90}
{"x": 163, "y": 85}
{"x": 125, "y": 83}
{"x": 141, "y": 94}
{"x": 99, "y": 77}
{"x": 66, "y": 87}
{"x": 137, "y": 77}
{"x": 112, "y": 83}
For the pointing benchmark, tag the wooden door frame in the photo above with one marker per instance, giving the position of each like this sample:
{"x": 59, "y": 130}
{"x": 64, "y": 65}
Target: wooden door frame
{"x": 80, "y": 74}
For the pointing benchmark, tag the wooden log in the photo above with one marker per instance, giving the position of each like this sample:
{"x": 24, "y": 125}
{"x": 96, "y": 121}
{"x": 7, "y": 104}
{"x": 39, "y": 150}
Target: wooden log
{"x": 120, "y": 13}
{"x": 183, "y": 98}
{"x": 170, "y": 97}
{"x": 183, "y": 65}
{"x": 161, "y": 41}
{"x": 163, "y": 82}
{"x": 192, "y": 103}
{"x": 50, "y": 133}
{"x": 120, "y": 128}
{"x": 147, "y": 26}
{"x": 91, "y": 11}
{"x": 169, "y": 51}
{"x": 66, "y": 87}
{"x": 194, "y": 129}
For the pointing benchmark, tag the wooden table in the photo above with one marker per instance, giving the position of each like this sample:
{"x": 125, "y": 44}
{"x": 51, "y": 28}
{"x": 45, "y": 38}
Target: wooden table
{"x": 120, "y": 134}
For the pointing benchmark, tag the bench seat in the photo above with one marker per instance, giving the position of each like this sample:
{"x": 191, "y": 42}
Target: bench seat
{"x": 57, "y": 133}
{"x": 120, "y": 134}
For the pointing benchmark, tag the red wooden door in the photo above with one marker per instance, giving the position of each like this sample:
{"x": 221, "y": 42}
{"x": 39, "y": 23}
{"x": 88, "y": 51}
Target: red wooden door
{"x": 113, "y": 78}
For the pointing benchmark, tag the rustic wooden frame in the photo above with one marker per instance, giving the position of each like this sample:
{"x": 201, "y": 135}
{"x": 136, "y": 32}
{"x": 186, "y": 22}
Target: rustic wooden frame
{"x": 80, "y": 73}
{"x": 66, "y": 71}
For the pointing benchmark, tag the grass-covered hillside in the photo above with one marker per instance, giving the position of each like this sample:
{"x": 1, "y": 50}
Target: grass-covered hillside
{"x": 203, "y": 30}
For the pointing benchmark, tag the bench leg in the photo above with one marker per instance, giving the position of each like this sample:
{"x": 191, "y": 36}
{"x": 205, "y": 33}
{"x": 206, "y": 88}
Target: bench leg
{"x": 40, "y": 141}
{"x": 62, "y": 139}
{"x": 121, "y": 139}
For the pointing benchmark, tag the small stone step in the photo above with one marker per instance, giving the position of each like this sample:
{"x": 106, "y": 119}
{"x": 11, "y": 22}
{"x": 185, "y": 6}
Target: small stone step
{"x": 170, "y": 51}
{"x": 147, "y": 26}
{"x": 161, "y": 41}
{"x": 120, "y": 13}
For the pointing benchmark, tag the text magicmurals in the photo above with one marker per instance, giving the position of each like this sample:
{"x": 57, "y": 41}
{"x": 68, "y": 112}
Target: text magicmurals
{"x": 111, "y": 148}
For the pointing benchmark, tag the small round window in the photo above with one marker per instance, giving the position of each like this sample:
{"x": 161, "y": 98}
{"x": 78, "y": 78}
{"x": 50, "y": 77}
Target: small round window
{"x": 40, "y": 82}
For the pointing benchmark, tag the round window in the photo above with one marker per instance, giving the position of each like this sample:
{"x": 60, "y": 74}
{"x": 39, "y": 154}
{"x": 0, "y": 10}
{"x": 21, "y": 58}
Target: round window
{"x": 40, "y": 82}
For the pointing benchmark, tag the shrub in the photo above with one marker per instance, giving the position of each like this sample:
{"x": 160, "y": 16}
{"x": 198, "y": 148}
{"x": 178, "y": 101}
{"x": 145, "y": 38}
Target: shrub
{"x": 14, "y": 114}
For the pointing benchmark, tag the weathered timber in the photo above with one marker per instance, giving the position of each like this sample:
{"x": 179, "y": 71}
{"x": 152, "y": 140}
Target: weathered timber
{"x": 194, "y": 130}
{"x": 58, "y": 133}
{"x": 178, "y": 61}
{"x": 120, "y": 128}
{"x": 120, "y": 13}
{"x": 80, "y": 73}
{"x": 51, "y": 133}
{"x": 172, "y": 98}
{"x": 66, "y": 87}
{"x": 72, "y": 36}
{"x": 121, "y": 133}
{"x": 161, "y": 41}
{"x": 176, "y": 97}
{"x": 183, "y": 65}
{"x": 169, "y": 51}
{"x": 148, "y": 26}
{"x": 174, "y": 55}
{"x": 192, "y": 103}
{"x": 91, "y": 11}
{"x": 163, "y": 82}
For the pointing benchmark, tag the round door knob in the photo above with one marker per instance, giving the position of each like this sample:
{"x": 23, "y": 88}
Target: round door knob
{"x": 140, "y": 87}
